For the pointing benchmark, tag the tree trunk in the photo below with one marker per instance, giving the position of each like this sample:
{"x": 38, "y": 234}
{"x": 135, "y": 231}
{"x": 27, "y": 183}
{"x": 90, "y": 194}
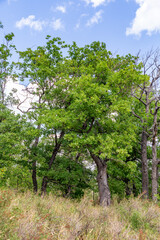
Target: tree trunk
{"x": 154, "y": 158}
{"x": 104, "y": 192}
{"x": 44, "y": 185}
{"x": 145, "y": 188}
{"x": 50, "y": 163}
{"x": 34, "y": 168}
{"x": 34, "y": 177}
{"x": 128, "y": 190}
{"x": 154, "y": 172}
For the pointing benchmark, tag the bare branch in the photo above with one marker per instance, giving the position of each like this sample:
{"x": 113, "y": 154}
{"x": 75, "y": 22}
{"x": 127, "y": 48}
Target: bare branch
{"x": 137, "y": 116}
{"x": 139, "y": 99}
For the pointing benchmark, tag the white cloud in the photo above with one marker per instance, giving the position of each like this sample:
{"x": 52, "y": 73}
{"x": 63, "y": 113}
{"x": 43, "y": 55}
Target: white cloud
{"x": 95, "y": 19}
{"x": 22, "y": 95}
{"x": 61, "y": 9}
{"x": 96, "y": 3}
{"x": 38, "y": 25}
{"x": 70, "y": 3}
{"x": 77, "y": 26}
{"x": 30, "y": 22}
{"x": 57, "y": 24}
{"x": 9, "y": 1}
{"x": 147, "y": 18}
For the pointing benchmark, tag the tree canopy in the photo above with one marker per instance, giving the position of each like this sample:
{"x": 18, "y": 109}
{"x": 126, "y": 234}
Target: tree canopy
{"x": 89, "y": 116}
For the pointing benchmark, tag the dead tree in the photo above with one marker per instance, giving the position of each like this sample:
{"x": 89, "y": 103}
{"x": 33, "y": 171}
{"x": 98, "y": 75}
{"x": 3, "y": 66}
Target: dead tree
{"x": 148, "y": 95}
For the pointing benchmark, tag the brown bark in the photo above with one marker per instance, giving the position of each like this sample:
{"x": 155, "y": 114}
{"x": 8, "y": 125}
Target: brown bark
{"x": 103, "y": 188}
{"x": 50, "y": 163}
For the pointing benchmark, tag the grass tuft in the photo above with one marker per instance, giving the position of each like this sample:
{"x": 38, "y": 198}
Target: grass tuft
{"x": 27, "y": 216}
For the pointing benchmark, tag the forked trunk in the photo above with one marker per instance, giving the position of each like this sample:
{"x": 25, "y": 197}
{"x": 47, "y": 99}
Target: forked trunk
{"x": 50, "y": 163}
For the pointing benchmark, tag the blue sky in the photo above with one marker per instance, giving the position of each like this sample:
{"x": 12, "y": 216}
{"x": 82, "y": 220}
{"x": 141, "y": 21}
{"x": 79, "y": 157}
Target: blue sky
{"x": 126, "y": 26}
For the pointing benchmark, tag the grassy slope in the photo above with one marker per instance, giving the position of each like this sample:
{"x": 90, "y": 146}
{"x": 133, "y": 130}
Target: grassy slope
{"x": 25, "y": 216}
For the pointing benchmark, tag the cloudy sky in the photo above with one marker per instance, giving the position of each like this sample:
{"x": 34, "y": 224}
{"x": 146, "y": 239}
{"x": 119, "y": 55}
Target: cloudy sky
{"x": 126, "y": 26}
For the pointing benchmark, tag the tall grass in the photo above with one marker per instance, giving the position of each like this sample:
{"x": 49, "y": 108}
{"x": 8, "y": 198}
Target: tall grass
{"x": 26, "y": 216}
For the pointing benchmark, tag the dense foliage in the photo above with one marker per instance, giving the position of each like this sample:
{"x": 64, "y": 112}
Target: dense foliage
{"x": 93, "y": 114}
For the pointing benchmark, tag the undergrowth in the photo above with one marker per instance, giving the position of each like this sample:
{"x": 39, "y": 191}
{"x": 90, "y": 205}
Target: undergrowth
{"x": 30, "y": 217}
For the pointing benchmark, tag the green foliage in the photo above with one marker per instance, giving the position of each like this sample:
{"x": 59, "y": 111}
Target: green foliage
{"x": 1, "y": 25}
{"x": 85, "y": 95}
{"x": 6, "y": 67}
{"x": 70, "y": 177}
{"x": 136, "y": 220}
{"x": 10, "y": 138}
{"x": 11, "y": 150}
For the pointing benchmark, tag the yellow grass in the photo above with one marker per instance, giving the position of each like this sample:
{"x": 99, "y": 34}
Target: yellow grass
{"x": 26, "y": 216}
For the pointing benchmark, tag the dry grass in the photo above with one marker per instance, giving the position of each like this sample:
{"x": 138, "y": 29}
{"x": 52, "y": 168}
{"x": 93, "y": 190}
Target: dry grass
{"x": 26, "y": 216}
